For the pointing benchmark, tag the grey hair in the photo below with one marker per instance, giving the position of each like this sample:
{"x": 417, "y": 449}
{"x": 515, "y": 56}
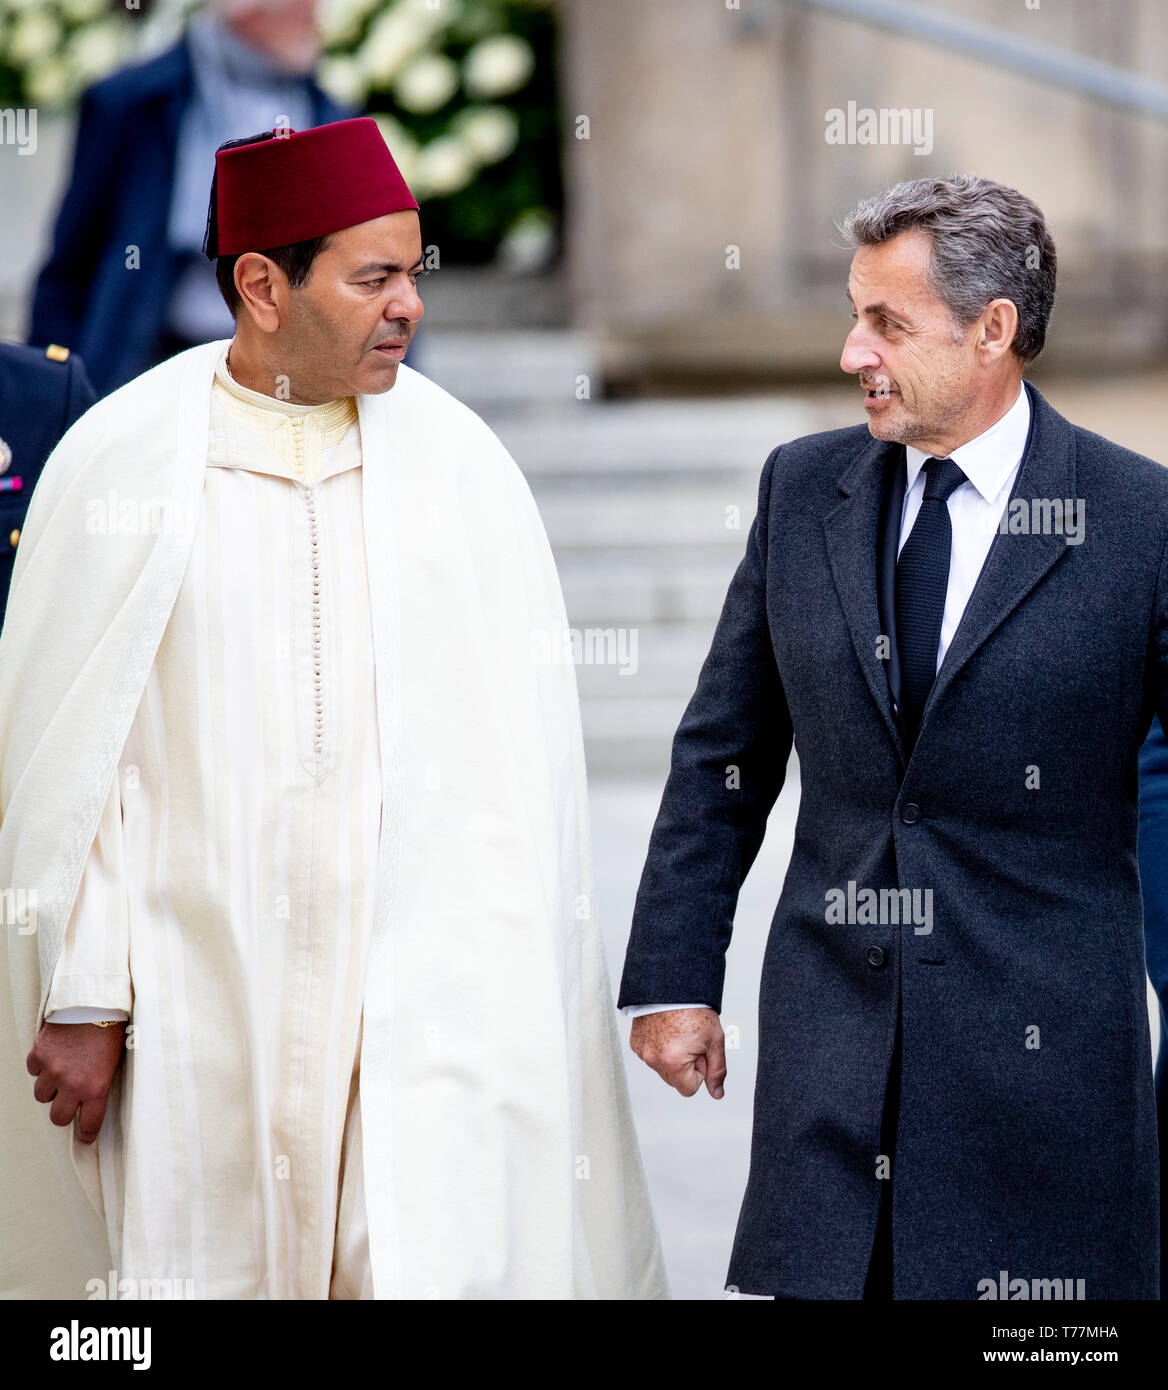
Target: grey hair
{"x": 988, "y": 242}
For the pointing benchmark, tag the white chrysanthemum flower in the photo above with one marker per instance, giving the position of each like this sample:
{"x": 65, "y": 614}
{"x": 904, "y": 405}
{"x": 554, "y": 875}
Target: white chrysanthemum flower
{"x": 394, "y": 38}
{"x": 34, "y": 35}
{"x": 340, "y": 20}
{"x": 444, "y": 166}
{"x": 51, "y": 82}
{"x": 437, "y": 14}
{"x": 498, "y": 65}
{"x": 492, "y": 132}
{"x": 343, "y": 79}
{"x": 78, "y": 11}
{"x": 427, "y": 83}
{"x": 530, "y": 241}
{"x": 402, "y": 146}
{"x": 95, "y": 50}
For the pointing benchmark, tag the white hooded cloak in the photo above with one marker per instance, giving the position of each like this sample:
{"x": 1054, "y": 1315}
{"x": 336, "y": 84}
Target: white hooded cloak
{"x": 503, "y": 1163}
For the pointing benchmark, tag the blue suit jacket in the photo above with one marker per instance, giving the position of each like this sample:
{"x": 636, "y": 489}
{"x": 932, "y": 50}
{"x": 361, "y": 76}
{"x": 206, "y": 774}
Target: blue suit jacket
{"x": 118, "y": 196}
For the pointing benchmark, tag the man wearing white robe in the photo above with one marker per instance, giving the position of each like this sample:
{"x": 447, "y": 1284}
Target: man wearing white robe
{"x": 308, "y": 975}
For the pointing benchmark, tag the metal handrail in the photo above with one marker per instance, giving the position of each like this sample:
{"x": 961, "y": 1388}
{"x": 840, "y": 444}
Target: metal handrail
{"x": 1086, "y": 76}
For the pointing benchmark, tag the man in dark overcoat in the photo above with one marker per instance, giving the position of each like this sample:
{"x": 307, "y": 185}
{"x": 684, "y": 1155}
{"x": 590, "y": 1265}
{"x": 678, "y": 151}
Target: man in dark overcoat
{"x": 958, "y": 615}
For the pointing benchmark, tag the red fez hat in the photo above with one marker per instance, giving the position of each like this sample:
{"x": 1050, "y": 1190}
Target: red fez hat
{"x": 303, "y": 185}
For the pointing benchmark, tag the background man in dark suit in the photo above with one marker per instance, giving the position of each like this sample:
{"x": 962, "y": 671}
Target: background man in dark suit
{"x": 126, "y": 284}
{"x": 954, "y": 1092}
{"x": 41, "y": 393}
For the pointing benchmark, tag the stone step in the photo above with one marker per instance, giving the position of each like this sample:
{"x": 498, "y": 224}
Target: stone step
{"x": 631, "y": 662}
{"x": 603, "y": 519}
{"x": 630, "y": 711}
{"x": 496, "y": 372}
{"x": 668, "y": 589}
{"x": 630, "y": 737}
{"x": 656, "y": 439}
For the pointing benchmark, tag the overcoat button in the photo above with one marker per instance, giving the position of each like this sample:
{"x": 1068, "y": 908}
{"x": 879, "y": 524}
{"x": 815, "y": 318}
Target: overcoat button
{"x": 14, "y": 536}
{"x": 875, "y": 957}
{"x": 910, "y": 813}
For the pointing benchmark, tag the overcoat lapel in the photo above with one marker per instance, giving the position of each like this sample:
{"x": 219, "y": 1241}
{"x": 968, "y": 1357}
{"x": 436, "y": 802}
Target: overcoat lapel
{"x": 1015, "y": 563}
{"x": 852, "y": 533}
{"x": 1013, "y": 567}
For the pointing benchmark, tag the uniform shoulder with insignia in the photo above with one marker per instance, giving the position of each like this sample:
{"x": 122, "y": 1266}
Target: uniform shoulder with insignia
{"x": 38, "y": 403}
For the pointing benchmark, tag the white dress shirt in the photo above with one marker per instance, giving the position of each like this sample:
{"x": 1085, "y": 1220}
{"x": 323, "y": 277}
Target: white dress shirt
{"x": 990, "y": 463}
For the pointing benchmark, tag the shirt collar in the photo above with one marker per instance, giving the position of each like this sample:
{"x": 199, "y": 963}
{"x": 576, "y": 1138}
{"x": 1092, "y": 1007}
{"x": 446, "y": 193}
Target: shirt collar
{"x": 283, "y": 438}
{"x": 988, "y": 459}
{"x": 214, "y": 45}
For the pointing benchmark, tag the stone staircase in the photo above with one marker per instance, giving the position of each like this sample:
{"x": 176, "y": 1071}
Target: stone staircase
{"x": 647, "y": 504}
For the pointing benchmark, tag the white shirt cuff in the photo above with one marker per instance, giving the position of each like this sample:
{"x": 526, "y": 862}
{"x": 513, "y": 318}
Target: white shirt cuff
{"x": 83, "y": 1013}
{"x": 636, "y": 1010}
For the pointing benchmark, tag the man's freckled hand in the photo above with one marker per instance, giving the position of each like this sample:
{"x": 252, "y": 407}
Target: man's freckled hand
{"x": 684, "y": 1047}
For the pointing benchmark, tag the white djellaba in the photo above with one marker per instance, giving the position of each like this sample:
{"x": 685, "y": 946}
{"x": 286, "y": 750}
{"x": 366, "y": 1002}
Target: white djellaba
{"x": 501, "y": 1164}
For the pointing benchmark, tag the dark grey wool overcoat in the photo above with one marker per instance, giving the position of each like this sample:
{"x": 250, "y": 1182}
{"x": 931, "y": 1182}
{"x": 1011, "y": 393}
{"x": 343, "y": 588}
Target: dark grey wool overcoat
{"x": 1026, "y": 1134}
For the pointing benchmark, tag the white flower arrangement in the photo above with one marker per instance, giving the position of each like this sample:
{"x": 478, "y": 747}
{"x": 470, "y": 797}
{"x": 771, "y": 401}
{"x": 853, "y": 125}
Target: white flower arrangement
{"x": 343, "y": 77}
{"x": 35, "y": 34}
{"x": 498, "y": 66}
{"x": 529, "y": 242}
{"x": 79, "y": 11}
{"x": 491, "y": 132}
{"x": 95, "y": 50}
{"x": 403, "y": 145}
{"x": 51, "y": 50}
{"x": 398, "y": 49}
{"x": 400, "y": 32}
{"x": 443, "y": 67}
{"x": 341, "y": 20}
{"x": 49, "y": 82}
{"x": 444, "y": 166}
{"x": 427, "y": 83}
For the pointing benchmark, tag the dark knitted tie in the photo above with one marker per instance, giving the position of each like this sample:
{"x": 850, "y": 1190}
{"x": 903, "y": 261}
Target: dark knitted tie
{"x": 922, "y": 577}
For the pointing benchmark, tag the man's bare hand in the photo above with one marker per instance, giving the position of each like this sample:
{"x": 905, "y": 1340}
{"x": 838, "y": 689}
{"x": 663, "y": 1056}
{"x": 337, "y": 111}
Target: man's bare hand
{"x": 683, "y": 1046}
{"x": 74, "y": 1065}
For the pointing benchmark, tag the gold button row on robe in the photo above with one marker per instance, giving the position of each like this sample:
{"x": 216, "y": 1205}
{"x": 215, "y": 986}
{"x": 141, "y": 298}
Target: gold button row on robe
{"x": 298, "y": 447}
{"x": 317, "y": 681}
